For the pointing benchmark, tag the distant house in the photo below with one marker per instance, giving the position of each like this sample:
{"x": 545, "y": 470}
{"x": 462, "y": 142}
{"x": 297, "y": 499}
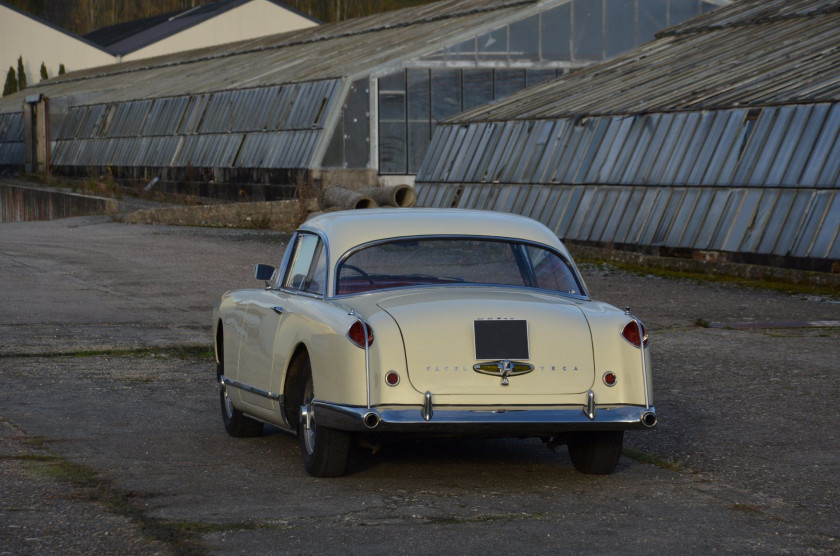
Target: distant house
{"x": 212, "y": 24}
{"x": 38, "y": 41}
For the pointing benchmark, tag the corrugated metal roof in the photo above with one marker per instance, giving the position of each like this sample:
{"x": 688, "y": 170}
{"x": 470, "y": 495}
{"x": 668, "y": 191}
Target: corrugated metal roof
{"x": 324, "y": 52}
{"x": 747, "y": 12}
{"x": 788, "y": 60}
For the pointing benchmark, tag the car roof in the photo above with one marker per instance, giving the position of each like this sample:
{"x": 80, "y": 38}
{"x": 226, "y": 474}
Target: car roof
{"x": 345, "y": 230}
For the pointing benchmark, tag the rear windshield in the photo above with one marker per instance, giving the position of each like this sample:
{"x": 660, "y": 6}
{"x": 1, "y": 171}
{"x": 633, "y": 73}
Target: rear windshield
{"x": 455, "y": 261}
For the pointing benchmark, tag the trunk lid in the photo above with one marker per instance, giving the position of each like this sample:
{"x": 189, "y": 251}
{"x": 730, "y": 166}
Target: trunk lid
{"x": 442, "y": 339}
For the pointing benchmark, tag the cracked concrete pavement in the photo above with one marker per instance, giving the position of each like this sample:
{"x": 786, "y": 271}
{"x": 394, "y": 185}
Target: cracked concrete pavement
{"x": 743, "y": 457}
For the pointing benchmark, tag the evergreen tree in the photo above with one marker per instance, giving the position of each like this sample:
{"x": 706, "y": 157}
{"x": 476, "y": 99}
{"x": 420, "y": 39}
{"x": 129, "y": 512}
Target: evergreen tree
{"x": 21, "y": 75}
{"x": 61, "y": 70}
{"x": 11, "y": 82}
{"x": 44, "y": 75}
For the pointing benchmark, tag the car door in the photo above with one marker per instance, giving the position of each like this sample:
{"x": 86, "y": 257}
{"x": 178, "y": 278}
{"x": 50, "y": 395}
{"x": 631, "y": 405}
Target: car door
{"x": 261, "y": 360}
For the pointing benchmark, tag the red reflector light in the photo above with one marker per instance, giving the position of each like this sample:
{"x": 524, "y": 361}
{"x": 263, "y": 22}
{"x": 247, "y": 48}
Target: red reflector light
{"x": 610, "y": 378}
{"x": 392, "y": 378}
{"x": 357, "y": 334}
{"x": 631, "y": 333}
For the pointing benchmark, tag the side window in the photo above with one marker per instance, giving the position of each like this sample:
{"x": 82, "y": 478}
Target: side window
{"x": 318, "y": 276}
{"x": 552, "y": 272}
{"x": 308, "y": 267}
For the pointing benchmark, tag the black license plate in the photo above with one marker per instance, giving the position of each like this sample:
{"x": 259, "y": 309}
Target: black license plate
{"x": 501, "y": 339}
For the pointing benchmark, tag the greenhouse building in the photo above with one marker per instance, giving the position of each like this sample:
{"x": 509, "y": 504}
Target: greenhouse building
{"x": 720, "y": 139}
{"x": 355, "y": 102}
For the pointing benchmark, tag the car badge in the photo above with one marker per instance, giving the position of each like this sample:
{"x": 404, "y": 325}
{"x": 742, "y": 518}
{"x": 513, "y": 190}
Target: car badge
{"x": 503, "y": 368}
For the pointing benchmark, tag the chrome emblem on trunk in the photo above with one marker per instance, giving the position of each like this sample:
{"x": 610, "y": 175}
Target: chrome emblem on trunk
{"x": 503, "y": 368}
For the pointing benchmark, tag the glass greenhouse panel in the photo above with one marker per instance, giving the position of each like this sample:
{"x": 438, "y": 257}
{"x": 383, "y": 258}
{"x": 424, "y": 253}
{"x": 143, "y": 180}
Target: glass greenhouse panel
{"x": 619, "y": 26}
{"x": 588, "y": 30}
{"x": 508, "y": 81}
{"x": 525, "y": 39}
{"x": 827, "y": 139}
{"x": 681, "y": 218}
{"x": 446, "y": 93}
{"x": 478, "y": 87}
{"x": 697, "y": 218}
{"x": 805, "y": 145}
{"x": 758, "y": 227}
{"x": 652, "y": 17}
{"x": 492, "y": 45}
{"x": 811, "y": 224}
{"x": 556, "y": 33}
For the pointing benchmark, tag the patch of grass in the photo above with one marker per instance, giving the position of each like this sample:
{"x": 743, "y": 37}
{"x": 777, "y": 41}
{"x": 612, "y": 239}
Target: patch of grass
{"x": 36, "y": 441}
{"x": 182, "y": 540}
{"x": 59, "y": 469}
{"x": 181, "y": 352}
{"x": 771, "y": 285}
{"x": 746, "y": 508}
{"x": 653, "y": 459}
{"x": 701, "y": 322}
{"x": 195, "y": 527}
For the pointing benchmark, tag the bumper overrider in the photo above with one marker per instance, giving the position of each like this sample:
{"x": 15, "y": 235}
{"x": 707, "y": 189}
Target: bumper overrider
{"x": 492, "y": 420}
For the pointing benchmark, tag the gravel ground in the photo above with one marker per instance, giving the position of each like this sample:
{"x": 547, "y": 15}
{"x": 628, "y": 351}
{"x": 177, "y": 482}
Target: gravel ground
{"x": 742, "y": 459}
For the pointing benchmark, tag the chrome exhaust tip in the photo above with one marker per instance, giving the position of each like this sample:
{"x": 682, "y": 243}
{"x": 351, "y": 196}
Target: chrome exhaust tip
{"x": 649, "y": 419}
{"x": 371, "y": 420}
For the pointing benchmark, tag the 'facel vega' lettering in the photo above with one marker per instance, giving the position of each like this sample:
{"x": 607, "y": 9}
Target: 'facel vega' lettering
{"x": 438, "y": 368}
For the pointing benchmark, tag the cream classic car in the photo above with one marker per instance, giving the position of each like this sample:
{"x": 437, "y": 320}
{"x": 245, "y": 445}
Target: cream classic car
{"x": 432, "y": 322}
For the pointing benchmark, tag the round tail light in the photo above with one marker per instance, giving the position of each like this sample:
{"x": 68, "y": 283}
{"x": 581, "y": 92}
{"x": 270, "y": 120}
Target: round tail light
{"x": 392, "y": 378}
{"x": 610, "y": 379}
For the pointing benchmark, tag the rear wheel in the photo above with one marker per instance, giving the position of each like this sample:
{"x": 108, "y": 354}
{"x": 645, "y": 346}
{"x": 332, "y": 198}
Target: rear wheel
{"x": 596, "y": 453}
{"x": 236, "y": 424}
{"x": 325, "y": 451}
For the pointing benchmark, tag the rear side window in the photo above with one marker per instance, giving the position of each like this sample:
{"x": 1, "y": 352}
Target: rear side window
{"x": 308, "y": 266}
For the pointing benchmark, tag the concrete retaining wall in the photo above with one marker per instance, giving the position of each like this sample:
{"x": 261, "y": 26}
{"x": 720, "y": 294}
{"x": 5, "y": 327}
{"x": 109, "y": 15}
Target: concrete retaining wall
{"x": 284, "y": 216}
{"x": 24, "y": 204}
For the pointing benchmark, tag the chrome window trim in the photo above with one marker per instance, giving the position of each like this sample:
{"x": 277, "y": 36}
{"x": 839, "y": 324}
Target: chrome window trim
{"x": 287, "y": 264}
{"x": 569, "y": 263}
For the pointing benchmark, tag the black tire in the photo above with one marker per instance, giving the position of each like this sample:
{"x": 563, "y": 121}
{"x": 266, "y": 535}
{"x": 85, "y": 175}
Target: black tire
{"x": 236, "y": 424}
{"x": 596, "y": 453}
{"x": 325, "y": 451}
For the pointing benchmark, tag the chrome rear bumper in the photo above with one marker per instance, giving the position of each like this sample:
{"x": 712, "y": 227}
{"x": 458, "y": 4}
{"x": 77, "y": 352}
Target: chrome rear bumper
{"x": 492, "y": 420}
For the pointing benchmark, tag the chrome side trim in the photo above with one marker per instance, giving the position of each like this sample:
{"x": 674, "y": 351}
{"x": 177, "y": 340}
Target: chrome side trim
{"x": 353, "y": 313}
{"x": 489, "y": 420}
{"x": 644, "y": 363}
{"x": 270, "y": 395}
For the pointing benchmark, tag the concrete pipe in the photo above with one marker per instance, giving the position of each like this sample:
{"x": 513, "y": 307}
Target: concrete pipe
{"x": 341, "y": 197}
{"x": 392, "y": 195}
